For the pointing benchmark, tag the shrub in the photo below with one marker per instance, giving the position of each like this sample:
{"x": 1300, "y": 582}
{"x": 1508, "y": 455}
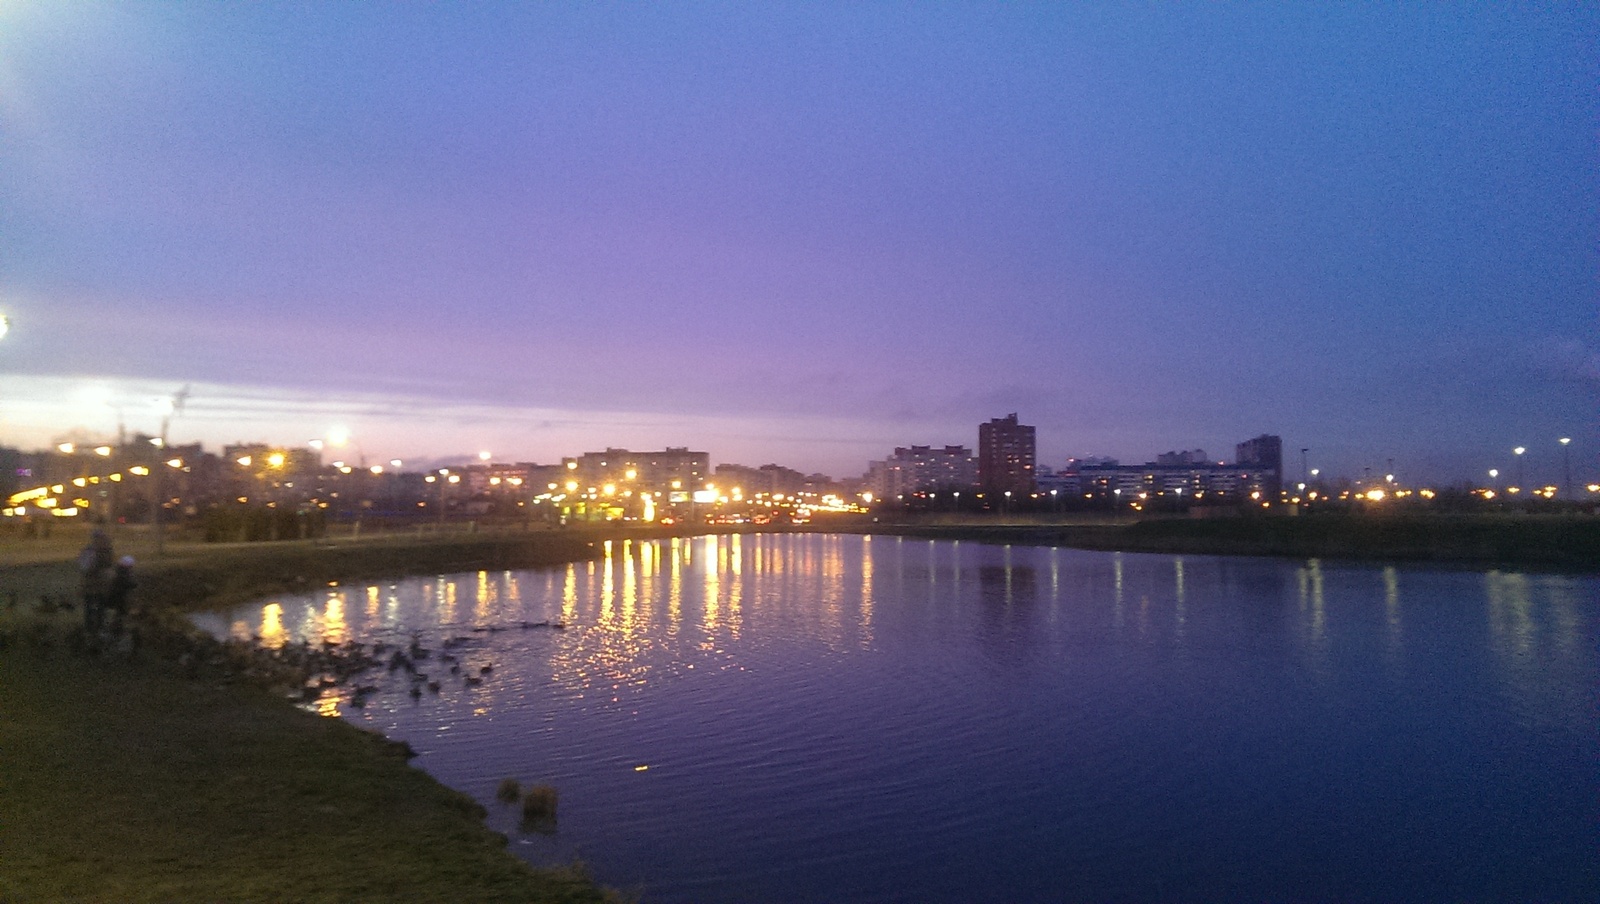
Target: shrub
{"x": 539, "y": 804}
{"x": 510, "y": 789}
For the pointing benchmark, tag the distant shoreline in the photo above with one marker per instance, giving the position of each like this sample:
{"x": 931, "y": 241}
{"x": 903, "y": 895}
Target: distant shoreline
{"x": 1552, "y": 542}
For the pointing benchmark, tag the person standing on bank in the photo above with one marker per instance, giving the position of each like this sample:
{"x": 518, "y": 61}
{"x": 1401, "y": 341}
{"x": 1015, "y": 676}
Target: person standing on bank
{"x": 97, "y": 565}
{"x": 122, "y": 584}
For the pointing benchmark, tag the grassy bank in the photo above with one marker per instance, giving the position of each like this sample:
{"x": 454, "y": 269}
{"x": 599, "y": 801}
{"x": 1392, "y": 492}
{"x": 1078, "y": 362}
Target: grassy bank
{"x": 128, "y": 780}
{"x": 1470, "y": 540}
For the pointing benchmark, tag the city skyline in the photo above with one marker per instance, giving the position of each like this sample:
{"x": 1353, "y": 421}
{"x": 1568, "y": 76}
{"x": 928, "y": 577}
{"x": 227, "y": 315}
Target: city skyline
{"x": 806, "y": 235}
{"x": 921, "y": 466}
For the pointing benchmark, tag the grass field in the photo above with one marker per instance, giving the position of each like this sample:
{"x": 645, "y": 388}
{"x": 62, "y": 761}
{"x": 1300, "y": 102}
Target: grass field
{"x": 127, "y": 780}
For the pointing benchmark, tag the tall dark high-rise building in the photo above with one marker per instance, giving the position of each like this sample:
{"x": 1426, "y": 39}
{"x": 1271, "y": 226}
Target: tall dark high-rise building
{"x": 1265, "y": 453}
{"x": 1005, "y": 456}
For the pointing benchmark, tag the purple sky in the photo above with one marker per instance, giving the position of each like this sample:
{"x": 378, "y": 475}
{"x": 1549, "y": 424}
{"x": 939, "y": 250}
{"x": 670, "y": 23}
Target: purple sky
{"x": 807, "y": 234}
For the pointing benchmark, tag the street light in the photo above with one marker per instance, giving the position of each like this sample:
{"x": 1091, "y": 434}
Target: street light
{"x": 169, "y": 408}
{"x": 1566, "y": 466}
{"x": 1518, "y": 452}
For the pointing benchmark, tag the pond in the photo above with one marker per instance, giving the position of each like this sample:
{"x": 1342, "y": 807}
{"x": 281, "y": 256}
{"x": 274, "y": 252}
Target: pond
{"x": 798, "y": 718}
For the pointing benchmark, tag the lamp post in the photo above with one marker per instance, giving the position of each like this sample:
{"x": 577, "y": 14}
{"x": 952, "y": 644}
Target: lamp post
{"x": 1566, "y": 467}
{"x": 1518, "y": 452}
{"x": 1494, "y": 475}
{"x": 169, "y": 408}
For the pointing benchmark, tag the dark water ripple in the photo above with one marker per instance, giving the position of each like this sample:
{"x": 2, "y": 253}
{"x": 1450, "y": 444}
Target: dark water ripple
{"x": 815, "y": 718}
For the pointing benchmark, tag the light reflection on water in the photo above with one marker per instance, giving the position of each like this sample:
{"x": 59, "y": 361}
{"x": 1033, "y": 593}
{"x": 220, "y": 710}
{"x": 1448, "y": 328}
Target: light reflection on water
{"x": 839, "y": 717}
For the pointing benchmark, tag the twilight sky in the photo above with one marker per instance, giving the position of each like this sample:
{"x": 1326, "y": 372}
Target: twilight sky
{"x": 808, "y": 233}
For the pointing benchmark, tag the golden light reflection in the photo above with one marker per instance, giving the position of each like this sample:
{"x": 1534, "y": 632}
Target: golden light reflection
{"x": 735, "y": 586}
{"x": 272, "y": 633}
{"x": 608, "y": 587}
{"x": 832, "y": 591}
{"x": 713, "y": 586}
{"x": 630, "y": 587}
{"x": 373, "y": 601}
{"x": 569, "y": 595}
{"x": 867, "y": 599}
{"x": 675, "y": 589}
{"x": 334, "y": 627}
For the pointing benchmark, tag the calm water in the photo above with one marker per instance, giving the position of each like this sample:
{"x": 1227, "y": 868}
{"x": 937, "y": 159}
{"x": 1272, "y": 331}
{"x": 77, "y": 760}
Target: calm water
{"x": 793, "y": 718}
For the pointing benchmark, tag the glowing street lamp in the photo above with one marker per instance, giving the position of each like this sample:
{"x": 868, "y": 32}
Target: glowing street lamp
{"x": 1518, "y": 452}
{"x": 169, "y": 408}
{"x": 1566, "y": 466}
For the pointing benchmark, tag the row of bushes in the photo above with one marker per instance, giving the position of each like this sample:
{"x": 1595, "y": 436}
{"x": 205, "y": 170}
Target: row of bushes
{"x": 251, "y": 523}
